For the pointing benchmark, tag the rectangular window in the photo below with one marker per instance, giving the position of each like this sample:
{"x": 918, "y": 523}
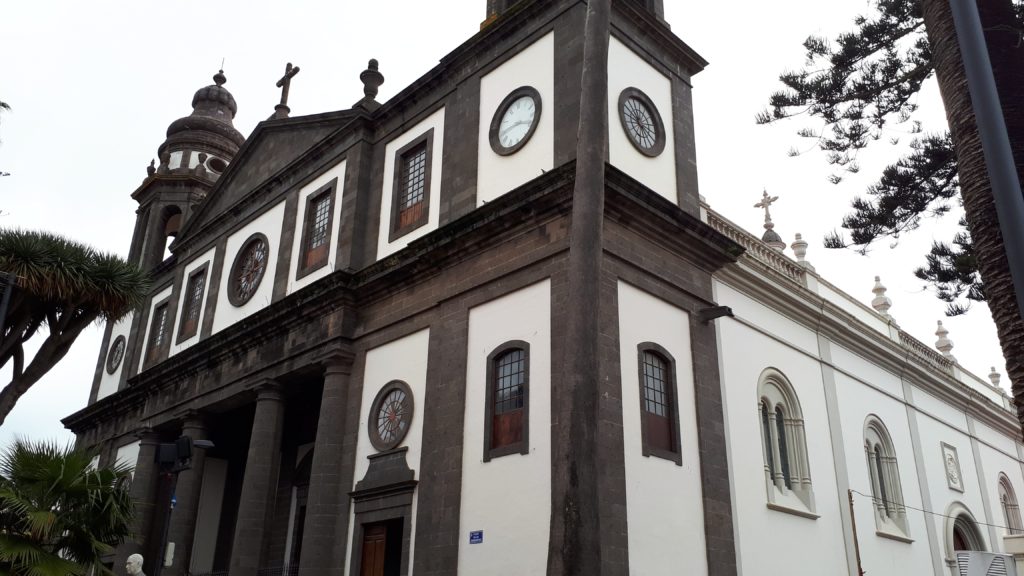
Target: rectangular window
{"x": 192, "y": 305}
{"x": 410, "y": 199}
{"x": 157, "y": 333}
{"x": 508, "y": 401}
{"x": 659, "y": 409}
{"x": 316, "y": 231}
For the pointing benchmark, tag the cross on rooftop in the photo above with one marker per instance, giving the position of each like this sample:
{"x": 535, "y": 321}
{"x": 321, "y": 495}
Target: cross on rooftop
{"x": 282, "y": 109}
{"x": 765, "y": 202}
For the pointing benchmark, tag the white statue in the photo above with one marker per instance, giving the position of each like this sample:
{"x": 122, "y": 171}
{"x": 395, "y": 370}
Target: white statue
{"x": 134, "y": 565}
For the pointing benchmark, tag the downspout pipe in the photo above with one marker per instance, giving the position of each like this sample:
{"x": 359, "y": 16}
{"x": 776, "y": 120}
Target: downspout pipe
{"x": 995, "y": 141}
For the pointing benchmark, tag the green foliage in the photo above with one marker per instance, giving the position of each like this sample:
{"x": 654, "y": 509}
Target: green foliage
{"x": 858, "y": 86}
{"x": 58, "y": 514}
{"x": 69, "y": 275}
{"x": 64, "y": 285}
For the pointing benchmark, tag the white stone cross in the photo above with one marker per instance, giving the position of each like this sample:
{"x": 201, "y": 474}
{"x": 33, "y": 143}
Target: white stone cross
{"x": 765, "y": 202}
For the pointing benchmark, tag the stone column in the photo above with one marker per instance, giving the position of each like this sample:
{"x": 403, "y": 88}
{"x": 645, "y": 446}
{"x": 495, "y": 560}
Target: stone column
{"x": 322, "y": 551}
{"x": 145, "y": 480}
{"x": 259, "y": 484}
{"x": 190, "y": 482}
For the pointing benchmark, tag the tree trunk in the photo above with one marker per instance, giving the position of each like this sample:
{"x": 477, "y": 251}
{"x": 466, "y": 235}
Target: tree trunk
{"x": 973, "y": 174}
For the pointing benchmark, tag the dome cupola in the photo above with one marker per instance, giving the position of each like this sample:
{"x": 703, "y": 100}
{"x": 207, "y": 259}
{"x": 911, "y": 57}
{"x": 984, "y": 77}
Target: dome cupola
{"x": 204, "y": 142}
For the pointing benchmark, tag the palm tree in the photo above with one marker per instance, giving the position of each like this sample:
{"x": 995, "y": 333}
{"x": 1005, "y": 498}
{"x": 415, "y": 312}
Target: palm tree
{"x": 975, "y": 188}
{"x": 64, "y": 285}
{"x": 58, "y": 513}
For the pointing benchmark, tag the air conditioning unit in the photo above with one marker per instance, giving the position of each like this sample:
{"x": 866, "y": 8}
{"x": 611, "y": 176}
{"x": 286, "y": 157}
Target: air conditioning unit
{"x": 985, "y": 564}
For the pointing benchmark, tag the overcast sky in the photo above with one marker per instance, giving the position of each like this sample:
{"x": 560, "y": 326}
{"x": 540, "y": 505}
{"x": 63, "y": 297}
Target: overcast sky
{"x": 94, "y": 85}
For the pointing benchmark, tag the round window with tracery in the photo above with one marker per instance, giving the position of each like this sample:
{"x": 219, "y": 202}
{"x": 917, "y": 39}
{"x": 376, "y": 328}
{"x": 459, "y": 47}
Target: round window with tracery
{"x": 641, "y": 122}
{"x": 248, "y": 269}
{"x": 115, "y": 355}
{"x": 390, "y": 415}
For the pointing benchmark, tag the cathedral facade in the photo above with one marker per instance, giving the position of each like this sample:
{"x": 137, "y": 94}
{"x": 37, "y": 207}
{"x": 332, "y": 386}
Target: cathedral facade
{"x": 489, "y": 327}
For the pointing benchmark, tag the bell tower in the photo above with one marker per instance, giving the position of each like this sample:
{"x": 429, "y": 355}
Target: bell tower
{"x": 197, "y": 151}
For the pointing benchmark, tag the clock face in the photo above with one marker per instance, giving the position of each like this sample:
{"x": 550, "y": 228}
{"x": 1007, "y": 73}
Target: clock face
{"x": 641, "y": 122}
{"x": 248, "y": 269}
{"x": 515, "y": 120}
{"x": 115, "y": 355}
{"x": 391, "y": 415}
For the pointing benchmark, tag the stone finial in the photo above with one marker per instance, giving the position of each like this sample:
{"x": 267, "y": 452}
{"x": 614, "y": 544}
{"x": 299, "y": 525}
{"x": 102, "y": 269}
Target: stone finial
{"x": 881, "y": 302}
{"x": 799, "y": 247}
{"x": 371, "y": 79}
{"x": 994, "y": 377}
{"x": 151, "y": 169}
{"x": 281, "y": 110}
{"x": 944, "y": 344}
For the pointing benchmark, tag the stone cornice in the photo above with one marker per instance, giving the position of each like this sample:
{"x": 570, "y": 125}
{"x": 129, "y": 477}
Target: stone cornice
{"x": 904, "y": 356}
{"x": 666, "y": 224}
{"x": 657, "y": 31}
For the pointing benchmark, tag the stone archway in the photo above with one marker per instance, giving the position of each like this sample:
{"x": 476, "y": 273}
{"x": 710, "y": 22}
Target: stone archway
{"x": 961, "y": 533}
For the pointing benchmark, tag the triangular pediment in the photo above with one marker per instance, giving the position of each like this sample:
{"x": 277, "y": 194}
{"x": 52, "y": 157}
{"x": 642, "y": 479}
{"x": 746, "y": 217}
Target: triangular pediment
{"x": 267, "y": 152}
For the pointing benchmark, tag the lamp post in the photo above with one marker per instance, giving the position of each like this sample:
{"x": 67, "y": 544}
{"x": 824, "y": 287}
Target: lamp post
{"x": 173, "y": 458}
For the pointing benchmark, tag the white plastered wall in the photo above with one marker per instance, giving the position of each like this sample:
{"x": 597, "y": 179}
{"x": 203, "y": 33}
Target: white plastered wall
{"x": 857, "y": 401}
{"x": 335, "y": 172}
{"x": 404, "y": 359}
{"x": 533, "y": 66}
{"x": 933, "y": 434}
{"x": 996, "y": 460}
{"x": 435, "y": 121}
{"x": 268, "y": 224}
{"x": 128, "y": 454}
{"x": 156, "y": 300}
{"x": 625, "y": 70}
{"x": 769, "y": 540}
{"x": 109, "y": 382}
{"x": 666, "y": 532}
{"x": 515, "y": 524}
{"x": 206, "y": 258}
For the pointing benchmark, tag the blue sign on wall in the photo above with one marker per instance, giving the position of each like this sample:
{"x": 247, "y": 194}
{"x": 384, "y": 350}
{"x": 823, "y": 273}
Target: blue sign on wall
{"x": 476, "y": 537}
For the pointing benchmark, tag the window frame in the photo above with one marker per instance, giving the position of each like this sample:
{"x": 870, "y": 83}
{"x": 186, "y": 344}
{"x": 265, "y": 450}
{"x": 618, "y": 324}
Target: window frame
{"x": 394, "y": 231}
{"x": 1008, "y": 505}
{"x": 182, "y": 335}
{"x": 330, "y": 190}
{"x": 523, "y": 446}
{"x": 155, "y": 353}
{"x": 890, "y": 516}
{"x": 672, "y": 388}
{"x": 788, "y": 484}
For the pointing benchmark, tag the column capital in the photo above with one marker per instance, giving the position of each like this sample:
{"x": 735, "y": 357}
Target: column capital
{"x": 147, "y": 435}
{"x": 335, "y": 361}
{"x": 266, "y": 389}
{"x": 193, "y": 420}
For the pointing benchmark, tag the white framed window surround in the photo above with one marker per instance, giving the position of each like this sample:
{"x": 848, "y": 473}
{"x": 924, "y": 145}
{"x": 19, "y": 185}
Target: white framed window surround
{"x": 787, "y": 470}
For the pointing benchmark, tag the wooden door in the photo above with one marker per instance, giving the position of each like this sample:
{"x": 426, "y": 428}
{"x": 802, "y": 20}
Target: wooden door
{"x": 374, "y": 544}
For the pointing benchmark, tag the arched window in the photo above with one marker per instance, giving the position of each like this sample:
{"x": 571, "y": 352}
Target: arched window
{"x": 786, "y": 465}
{"x": 886, "y": 491}
{"x": 659, "y": 407}
{"x": 1008, "y": 503}
{"x": 961, "y": 535}
{"x": 508, "y": 400}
